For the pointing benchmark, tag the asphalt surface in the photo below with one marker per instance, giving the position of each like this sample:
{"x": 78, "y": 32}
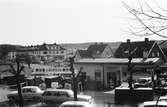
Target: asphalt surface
{"x": 101, "y": 99}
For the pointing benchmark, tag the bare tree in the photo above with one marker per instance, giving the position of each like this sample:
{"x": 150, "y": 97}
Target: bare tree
{"x": 16, "y": 69}
{"x": 147, "y": 19}
{"x": 74, "y": 77}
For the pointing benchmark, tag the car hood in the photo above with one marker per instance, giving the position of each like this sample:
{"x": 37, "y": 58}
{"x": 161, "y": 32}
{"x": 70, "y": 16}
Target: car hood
{"x": 87, "y": 97}
{"x": 13, "y": 92}
{"x": 138, "y": 83}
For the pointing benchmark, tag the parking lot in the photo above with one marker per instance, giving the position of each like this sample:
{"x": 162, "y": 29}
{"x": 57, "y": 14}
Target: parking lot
{"x": 101, "y": 99}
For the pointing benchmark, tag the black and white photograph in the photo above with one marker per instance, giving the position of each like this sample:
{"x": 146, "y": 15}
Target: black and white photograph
{"x": 83, "y": 53}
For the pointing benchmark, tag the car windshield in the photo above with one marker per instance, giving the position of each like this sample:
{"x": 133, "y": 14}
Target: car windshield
{"x": 163, "y": 100}
{"x": 29, "y": 90}
{"x": 47, "y": 93}
{"x": 155, "y": 106}
{"x": 142, "y": 80}
{"x": 73, "y": 106}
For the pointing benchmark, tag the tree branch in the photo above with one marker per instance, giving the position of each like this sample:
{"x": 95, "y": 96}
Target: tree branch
{"x": 153, "y": 24}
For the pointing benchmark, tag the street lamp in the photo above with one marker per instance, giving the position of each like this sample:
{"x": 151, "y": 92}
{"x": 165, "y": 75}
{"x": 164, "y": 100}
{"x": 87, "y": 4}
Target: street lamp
{"x": 130, "y": 56}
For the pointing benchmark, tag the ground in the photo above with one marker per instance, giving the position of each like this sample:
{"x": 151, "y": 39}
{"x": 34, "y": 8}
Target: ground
{"x": 101, "y": 98}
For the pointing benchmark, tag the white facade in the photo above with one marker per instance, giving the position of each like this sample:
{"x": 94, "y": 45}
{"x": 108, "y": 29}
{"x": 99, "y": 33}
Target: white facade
{"x": 39, "y": 69}
{"x": 105, "y": 73}
{"x": 46, "y": 51}
{"x": 111, "y": 70}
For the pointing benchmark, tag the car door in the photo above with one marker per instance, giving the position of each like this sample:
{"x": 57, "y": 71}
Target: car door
{"x": 25, "y": 93}
{"x": 48, "y": 96}
{"x": 63, "y": 96}
{"x": 57, "y": 96}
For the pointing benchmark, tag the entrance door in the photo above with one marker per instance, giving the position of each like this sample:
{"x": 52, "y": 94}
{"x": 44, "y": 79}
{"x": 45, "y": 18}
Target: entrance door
{"x": 111, "y": 79}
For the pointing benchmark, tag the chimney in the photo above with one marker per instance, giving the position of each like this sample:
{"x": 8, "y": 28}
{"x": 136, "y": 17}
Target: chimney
{"x": 128, "y": 40}
{"x": 146, "y": 40}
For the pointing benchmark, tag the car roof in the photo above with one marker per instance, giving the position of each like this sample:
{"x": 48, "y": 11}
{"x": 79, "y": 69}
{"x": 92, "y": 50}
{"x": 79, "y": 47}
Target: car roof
{"x": 65, "y": 90}
{"x": 163, "y": 97}
{"x": 82, "y": 103}
{"x": 145, "y": 78}
{"x": 31, "y": 87}
{"x": 147, "y": 103}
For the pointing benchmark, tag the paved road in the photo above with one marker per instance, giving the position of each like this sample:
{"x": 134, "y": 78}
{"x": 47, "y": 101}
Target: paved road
{"x": 101, "y": 99}
{"x": 106, "y": 99}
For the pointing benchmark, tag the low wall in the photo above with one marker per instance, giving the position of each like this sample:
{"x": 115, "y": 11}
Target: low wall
{"x": 125, "y": 95}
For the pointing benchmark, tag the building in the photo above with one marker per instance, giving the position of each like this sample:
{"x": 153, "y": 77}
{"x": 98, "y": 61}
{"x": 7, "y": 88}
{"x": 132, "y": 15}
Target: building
{"x": 97, "y": 50}
{"x": 47, "y": 70}
{"x": 111, "y": 71}
{"x": 44, "y": 52}
{"x": 107, "y": 73}
{"x": 140, "y": 49}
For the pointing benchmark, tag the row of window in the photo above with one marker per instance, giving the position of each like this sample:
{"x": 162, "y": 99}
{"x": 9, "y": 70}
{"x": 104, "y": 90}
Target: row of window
{"x": 48, "y": 52}
{"x": 48, "y": 70}
{"x": 53, "y": 52}
{"x": 153, "y": 54}
{"x": 54, "y": 47}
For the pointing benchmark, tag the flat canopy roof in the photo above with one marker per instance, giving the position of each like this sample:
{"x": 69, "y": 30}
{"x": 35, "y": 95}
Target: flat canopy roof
{"x": 118, "y": 61}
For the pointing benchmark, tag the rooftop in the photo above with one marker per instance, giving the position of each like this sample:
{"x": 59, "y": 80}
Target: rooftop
{"x": 118, "y": 60}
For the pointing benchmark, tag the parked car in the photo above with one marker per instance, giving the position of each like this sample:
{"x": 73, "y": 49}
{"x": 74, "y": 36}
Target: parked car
{"x": 153, "y": 104}
{"x": 163, "y": 98}
{"x": 28, "y": 93}
{"x": 143, "y": 82}
{"x": 62, "y": 95}
{"x": 76, "y": 104}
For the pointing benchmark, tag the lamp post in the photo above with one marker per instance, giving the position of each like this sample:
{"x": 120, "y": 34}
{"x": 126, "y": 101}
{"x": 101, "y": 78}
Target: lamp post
{"x": 130, "y": 53}
{"x": 130, "y": 72}
{"x": 19, "y": 69}
{"x": 74, "y": 79}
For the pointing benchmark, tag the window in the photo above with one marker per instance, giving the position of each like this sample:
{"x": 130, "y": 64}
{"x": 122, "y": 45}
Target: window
{"x": 47, "y": 93}
{"x": 56, "y": 94}
{"x": 27, "y": 90}
{"x": 33, "y": 90}
{"x": 153, "y": 54}
{"x": 145, "y": 53}
{"x": 157, "y": 53}
{"x": 98, "y": 75}
{"x": 45, "y": 52}
{"x": 63, "y": 94}
{"x": 98, "y": 52}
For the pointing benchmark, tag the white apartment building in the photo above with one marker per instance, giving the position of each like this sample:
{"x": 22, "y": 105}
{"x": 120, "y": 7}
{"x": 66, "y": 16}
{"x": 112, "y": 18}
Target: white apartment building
{"x": 45, "y": 51}
{"x": 40, "y": 69}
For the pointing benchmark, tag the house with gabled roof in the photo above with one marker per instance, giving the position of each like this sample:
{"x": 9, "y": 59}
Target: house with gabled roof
{"x": 97, "y": 50}
{"x": 163, "y": 45}
{"x": 140, "y": 49}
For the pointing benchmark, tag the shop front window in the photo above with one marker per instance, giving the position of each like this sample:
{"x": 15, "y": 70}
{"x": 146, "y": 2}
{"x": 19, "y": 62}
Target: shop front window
{"x": 98, "y": 75}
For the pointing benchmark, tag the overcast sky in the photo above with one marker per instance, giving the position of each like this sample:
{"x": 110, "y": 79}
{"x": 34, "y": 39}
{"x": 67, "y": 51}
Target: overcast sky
{"x": 32, "y": 22}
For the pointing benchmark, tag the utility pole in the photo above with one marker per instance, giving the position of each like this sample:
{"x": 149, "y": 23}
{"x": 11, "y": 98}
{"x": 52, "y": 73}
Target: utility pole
{"x": 19, "y": 69}
{"x": 130, "y": 71}
{"x": 130, "y": 64}
{"x": 74, "y": 78}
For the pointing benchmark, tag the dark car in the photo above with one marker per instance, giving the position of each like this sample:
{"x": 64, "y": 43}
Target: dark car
{"x": 143, "y": 82}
